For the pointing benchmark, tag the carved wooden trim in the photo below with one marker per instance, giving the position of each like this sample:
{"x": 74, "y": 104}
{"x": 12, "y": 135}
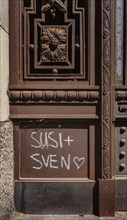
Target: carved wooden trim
{"x": 121, "y": 96}
{"x": 56, "y": 47}
{"x": 41, "y": 96}
{"x": 106, "y": 90}
{"x": 49, "y": 4}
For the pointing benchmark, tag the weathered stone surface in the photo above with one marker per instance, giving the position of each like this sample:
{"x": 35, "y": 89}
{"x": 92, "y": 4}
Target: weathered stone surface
{"x": 4, "y": 14}
{"x": 119, "y": 37}
{"x": 19, "y": 216}
{"x": 4, "y": 75}
{"x": 6, "y": 170}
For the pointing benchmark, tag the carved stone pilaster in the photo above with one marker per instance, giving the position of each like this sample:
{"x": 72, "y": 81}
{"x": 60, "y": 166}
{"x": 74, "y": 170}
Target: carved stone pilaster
{"x": 106, "y": 90}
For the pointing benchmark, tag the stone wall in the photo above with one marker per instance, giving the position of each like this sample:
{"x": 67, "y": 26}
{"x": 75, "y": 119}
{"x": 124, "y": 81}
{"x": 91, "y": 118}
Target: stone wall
{"x": 6, "y": 127}
{"x": 6, "y": 169}
{"x": 4, "y": 60}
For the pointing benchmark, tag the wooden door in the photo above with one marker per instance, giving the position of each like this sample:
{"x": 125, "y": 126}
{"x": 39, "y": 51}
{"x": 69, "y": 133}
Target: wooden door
{"x": 61, "y": 77}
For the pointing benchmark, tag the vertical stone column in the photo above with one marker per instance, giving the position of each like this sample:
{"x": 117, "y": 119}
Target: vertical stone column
{"x": 6, "y": 128}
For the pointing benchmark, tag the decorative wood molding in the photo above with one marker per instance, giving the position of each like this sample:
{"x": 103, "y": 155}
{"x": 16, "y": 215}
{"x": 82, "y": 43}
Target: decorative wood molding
{"x": 50, "y": 4}
{"x": 121, "y": 104}
{"x": 56, "y": 47}
{"x": 106, "y": 90}
{"x": 121, "y": 96}
{"x": 40, "y": 96}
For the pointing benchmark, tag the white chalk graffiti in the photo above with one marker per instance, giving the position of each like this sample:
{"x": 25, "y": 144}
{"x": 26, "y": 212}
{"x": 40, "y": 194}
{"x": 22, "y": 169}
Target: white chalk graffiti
{"x": 66, "y": 163}
{"x": 79, "y": 162}
{"x": 38, "y": 161}
{"x": 47, "y": 140}
{"x": 51, "y": 161}
{"x": 69, "y": 140}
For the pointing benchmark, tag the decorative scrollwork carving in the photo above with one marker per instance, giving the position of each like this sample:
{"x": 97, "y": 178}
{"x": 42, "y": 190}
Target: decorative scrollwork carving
{"x": 106, "y": 82}
{"x": 52, "y": 5}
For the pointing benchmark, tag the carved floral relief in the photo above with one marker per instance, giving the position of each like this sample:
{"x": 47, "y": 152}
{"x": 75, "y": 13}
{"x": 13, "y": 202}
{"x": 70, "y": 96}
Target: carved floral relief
{"x": 53, "y": 47}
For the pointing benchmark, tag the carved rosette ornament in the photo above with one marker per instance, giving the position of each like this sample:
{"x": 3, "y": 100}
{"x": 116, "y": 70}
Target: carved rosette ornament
{"x": 106, "y": 99}
{"x": 53, "y": 47}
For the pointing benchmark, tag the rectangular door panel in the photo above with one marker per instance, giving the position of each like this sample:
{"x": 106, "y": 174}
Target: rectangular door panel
{"x": 55, "y": 150}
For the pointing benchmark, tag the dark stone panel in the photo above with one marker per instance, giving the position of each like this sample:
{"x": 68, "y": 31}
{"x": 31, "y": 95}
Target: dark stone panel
{"x": 121, "y": 195}
{"x": 54, "y": 198}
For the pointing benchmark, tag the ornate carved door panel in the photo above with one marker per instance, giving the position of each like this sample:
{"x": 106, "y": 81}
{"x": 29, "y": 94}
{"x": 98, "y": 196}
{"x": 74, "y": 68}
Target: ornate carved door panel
{"x": 61, "y": 56}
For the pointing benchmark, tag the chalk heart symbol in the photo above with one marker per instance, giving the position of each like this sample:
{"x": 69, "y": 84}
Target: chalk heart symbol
{"x": 79, "y": 162}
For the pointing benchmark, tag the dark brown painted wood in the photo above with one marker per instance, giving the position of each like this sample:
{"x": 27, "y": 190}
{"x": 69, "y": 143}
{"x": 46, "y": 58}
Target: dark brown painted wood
{"x": 54, "y": 198}
{"x": 106, "y": 197}
{"x": 61, "y": 80}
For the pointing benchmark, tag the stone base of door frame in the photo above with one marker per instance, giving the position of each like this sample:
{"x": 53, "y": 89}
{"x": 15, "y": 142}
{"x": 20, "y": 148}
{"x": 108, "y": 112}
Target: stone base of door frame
{"x": 20, "y": 216}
